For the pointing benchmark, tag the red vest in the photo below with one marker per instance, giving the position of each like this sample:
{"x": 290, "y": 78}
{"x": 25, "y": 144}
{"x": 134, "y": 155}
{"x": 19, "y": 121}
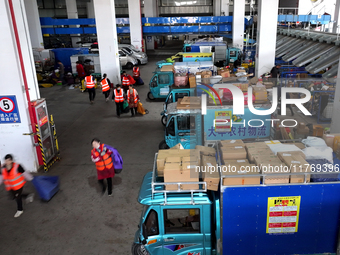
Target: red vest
{"x": 106, "y": 160}
{"x": 136, "y": 71}
{"x": 118, "y": 96}
{"x": 13, "y": 180}
{"x": 89, "y": 82}
{"x": 105, "y": 85}
{"x": 126, "y": 81}
{"x": 134, "y": 94}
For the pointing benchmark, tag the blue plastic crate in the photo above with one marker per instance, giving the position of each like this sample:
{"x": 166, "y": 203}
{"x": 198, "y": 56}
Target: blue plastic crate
{"x": 46, "y": 186}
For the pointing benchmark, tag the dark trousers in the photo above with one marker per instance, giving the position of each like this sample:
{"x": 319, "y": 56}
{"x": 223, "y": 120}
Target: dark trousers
{"x": 107, "y": 94}
{"x": 18, "y": 196}
{"x": 119, "y": 108}
{"x": 109, "y": 185}
{"x": 133, "y": 111}
{"x": 92, "y": 94}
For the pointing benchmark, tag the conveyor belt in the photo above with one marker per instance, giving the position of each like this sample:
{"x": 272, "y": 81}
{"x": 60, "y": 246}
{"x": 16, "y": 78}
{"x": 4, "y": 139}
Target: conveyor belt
{"x": 331, "y": 74}
{"x": 313, "y": 54}
{"x": 288, "y": 48}
{"x": 326, "y": 60}
{"x": 304, "y": 47}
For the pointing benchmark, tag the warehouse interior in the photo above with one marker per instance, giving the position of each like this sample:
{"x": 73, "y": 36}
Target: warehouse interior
{"x": 188, "y": 53}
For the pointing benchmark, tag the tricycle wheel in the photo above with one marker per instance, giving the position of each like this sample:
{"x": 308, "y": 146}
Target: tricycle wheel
{"x": 164, "y": 120}
{"x": 138, "y": 249}
{"x": 150, "y": 96}
{"x": 163, "y": 145}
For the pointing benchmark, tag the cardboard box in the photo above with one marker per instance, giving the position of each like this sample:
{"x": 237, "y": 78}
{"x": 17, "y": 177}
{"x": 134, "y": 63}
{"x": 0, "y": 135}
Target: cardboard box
{"x": 170, "y": 160}
{"x": 243, "y": 179}
{"x": 177, "y": 173}
{"x": 303, "y": 131}
{"x": 207, "y": 151}
{"x": 225, "y": 74}
{"x": 297, "y": 163}
{"x": 242, "y": 86}
{"x": 262, "y": 159}
{"x": 231, "y": 143}
{"x": 336, "y": 144}
{"x": 276, "y": 178}
{"x": 192, "y": 80}
{"x": 235, "y": 152}
{"x": 186, "y": 106}
{"x": 329, "y": 139}
{"x": 167, "y": 68}
{"x": 300, "y": 145}
{"x": 318, "y": 130}
{"x": 210, "y": 172}
{"x": 252, "y": 153}
{"x": 257, "y": 145}
{"x": 191, "y": 100}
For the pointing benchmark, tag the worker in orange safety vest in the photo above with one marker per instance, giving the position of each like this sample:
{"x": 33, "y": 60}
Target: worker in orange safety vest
{"x": 106, "y": 86}
{"x": 118, "y": 96}
{"x": 132, "y": 98}
{"x": 127, "y": 80}
{"x": 101, "y": 156}
{"x": 14, "y": 177}
{"x": 90, "y": 85}
{"x": 136, "y": 76}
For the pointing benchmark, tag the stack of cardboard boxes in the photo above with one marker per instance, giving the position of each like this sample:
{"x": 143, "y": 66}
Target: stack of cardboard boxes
{"x": 297, "y": 163}
{"x": 260, "y": 159}
{"x": 260, "y": 94}
{"x": 180, "y": 165}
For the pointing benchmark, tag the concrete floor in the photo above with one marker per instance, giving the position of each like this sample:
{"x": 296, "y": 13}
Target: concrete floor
{"x": 79, "y": 220}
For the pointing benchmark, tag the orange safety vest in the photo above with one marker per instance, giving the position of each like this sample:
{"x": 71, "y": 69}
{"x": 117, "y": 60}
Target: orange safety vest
{"x": 13, "y": 180}
{"x": 134, "y": 96}
{"x": 89, "y": 82}
{"x": 125, "y": 81}
{"x": 105, "y": 162}
{"x": 105, "y": 85}
{"x": 135, "y": 71}
{"x": 118, "y": 96}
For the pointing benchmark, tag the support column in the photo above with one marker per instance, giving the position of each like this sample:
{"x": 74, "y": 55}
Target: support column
{"x": 336, "y": 17}
{"x": 136, "y": 34}
{"x": 90, "y": 10}
{"x": 225, "y": 7}
{"x": 34, "y": 26}
{"x": 217, "y": 7}
{"x": 238, "y": 23}
{"x": 335, "y": 125}
{"x": 107, "y": 39}
{"x": 150, "y": 10}
{"x": 266, "y": 36}
{"x": 20, "y": 74}
{"x": 72, "y": 13}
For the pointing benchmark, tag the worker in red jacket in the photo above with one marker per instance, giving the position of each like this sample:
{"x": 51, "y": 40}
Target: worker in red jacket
{"x": 127, "y": 80}
{"x": 14, "y": 178}
{"x": 80, "y": 71}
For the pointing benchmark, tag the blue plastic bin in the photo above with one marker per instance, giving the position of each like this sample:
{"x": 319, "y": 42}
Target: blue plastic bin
{"x": 46, "y": 186}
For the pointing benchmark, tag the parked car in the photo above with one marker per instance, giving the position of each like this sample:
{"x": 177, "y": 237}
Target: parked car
{"x": 126, "y": 60}
{"x": 141, "y": 56}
